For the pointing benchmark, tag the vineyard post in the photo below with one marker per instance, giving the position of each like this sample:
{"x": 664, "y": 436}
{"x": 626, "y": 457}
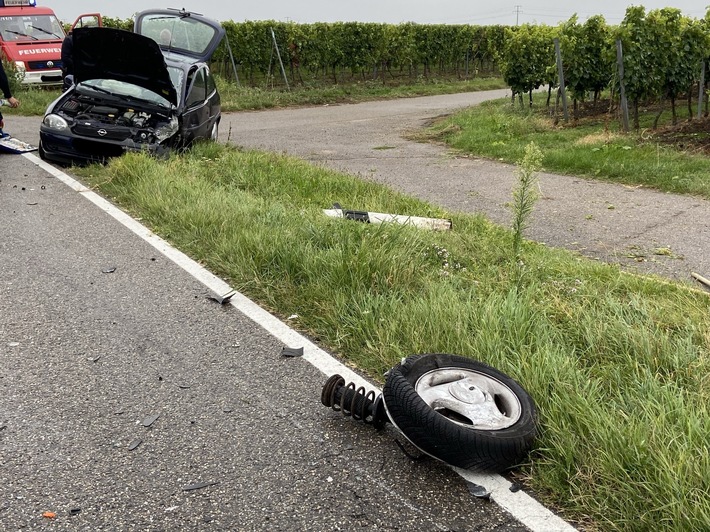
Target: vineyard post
{"x": 231, "y": 57}
{"x": 561, "y": 74}
{"x": 622, "y": 91}
{"x": 701, "y": 90}
{"x": 278, "y": 54}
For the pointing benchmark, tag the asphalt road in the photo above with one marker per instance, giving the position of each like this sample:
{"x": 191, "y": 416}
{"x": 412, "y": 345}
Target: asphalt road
{"x": 131, "y": 401}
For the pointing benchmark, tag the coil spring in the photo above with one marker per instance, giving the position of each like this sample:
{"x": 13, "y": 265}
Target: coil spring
{"x": 354, "y": 401}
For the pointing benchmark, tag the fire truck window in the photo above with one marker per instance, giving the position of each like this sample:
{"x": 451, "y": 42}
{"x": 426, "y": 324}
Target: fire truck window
{"x": 10, "y": 30}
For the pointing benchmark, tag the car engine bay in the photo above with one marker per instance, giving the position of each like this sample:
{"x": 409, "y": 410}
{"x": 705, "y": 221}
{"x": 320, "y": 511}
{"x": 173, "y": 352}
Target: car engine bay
{"x": 80, "y": 109}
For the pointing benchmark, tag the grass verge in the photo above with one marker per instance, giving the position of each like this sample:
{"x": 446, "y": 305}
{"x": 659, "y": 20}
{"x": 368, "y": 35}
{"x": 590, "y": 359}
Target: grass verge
{"x": 591, "y": 147}
{"x": 242, "y": 98}
{"x": 617, "y": 364}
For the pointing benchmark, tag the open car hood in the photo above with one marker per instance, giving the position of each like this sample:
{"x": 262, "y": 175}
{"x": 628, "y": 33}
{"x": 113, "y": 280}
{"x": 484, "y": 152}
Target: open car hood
{"x": 181, "y": 32}
{"x": 107, "y": 53}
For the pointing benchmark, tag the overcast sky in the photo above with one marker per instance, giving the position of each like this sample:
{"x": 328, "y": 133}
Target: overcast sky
{"x": 391, "y": 11}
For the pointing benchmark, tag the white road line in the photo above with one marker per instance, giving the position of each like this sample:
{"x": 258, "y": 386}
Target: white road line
{"x": 519, "y": 504}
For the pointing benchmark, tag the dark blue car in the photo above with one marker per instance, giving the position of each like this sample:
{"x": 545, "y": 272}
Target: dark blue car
{"x": 149, "y": 90}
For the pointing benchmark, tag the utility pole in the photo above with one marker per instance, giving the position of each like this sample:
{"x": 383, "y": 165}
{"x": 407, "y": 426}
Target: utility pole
{"x": 517, "y": 11}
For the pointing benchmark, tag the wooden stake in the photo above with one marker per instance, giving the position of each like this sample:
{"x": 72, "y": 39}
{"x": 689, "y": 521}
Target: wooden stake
{"x": 700, "y": 279}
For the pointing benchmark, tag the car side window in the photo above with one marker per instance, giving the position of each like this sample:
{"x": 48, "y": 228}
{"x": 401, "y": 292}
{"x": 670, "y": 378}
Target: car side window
{"x": 211, "y": 85}
{"x": 198, "y": 90}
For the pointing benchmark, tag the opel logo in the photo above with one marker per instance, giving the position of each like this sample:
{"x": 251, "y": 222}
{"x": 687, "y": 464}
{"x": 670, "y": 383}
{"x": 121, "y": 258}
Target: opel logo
{"x": 50, "y": 64}
{"x": 102, "y": 132}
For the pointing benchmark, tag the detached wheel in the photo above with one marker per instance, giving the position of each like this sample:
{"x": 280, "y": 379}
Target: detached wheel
{"x": 460, "y": 411}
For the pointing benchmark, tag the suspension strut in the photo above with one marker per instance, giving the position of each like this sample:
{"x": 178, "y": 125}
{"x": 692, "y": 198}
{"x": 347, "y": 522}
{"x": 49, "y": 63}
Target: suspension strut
{"x": 354, "y": 401}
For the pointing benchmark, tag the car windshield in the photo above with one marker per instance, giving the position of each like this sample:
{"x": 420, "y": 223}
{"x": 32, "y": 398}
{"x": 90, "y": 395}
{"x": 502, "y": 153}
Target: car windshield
{"x": 121, "y": 89}
{"x": 178, "y": 33}
{"x": 30, "y": 28}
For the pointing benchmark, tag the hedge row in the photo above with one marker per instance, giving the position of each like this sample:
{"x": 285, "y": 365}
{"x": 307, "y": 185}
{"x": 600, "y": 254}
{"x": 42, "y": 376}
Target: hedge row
{"x": 362, "y": 50}
{"x": 340, "y": 50}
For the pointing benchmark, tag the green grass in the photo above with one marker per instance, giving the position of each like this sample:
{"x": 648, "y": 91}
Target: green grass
{"x": 617, "y": 364}
{"x": 33, "y": 101}
{"x": 243, "y": 98}
{"x": 591, "y": 148}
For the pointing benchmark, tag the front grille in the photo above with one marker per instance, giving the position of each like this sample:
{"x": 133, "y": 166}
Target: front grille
{"x": 42, "y": 65}
{"x": 95, "y": 130}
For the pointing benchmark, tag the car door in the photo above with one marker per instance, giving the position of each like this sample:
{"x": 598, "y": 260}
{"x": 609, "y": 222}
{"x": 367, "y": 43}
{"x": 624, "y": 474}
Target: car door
{"x": 213, "y": 102}
{"x": 93, "y": 20}
{"x": 196, "y": 119}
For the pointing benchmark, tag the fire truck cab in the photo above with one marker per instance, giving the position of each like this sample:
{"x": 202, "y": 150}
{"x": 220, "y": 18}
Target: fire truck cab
{"x": 31, "y": 38}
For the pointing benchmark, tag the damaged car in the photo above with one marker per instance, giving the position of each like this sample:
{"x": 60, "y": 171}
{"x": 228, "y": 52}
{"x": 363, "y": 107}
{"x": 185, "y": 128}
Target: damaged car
{"x": 150, "y": 90}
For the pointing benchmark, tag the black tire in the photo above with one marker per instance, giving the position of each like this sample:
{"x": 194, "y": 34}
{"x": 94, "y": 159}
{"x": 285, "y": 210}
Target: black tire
{"x": 493, "y": 446}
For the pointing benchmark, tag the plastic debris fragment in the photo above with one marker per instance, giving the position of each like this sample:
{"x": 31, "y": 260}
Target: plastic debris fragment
{"x": 198, "y": 486}
{"x": 477, "y": 491}
{"x": 147, "y": 422}
{"x": 292, "y": 351}
{"x": 223, "y": 300}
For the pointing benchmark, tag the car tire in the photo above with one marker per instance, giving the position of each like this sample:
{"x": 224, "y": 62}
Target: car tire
{"x": 461, "y": 411}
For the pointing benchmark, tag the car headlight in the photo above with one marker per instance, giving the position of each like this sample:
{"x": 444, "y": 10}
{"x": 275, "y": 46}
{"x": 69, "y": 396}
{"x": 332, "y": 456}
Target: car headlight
{"x": 168, "y": 130}
{"x": 55, "y": 122}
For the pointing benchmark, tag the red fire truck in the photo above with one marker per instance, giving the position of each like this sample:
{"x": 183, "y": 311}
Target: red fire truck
{"x": 31, "y": 38}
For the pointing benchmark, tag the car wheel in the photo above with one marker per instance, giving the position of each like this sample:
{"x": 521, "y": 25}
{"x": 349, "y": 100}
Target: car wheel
{"x": 461, "y": 411}
{"x": 214, "y": 134}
